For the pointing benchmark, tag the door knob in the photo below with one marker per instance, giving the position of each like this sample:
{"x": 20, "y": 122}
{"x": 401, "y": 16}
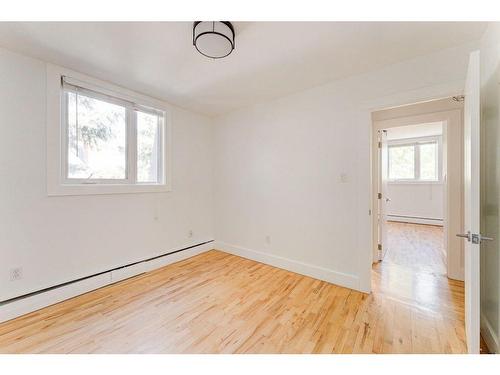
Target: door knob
{"x": 478, "y": 238}
{"x": 475, "y": 238}
{"x": 465, "y": 235}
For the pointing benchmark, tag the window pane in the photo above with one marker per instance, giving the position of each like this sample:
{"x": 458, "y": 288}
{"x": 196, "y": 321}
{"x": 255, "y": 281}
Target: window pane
{"x": 428, "y": 161}
{"x": 147, "y": 147}
{"x": 401, "y": 162}
{"x": 96, "y": 138}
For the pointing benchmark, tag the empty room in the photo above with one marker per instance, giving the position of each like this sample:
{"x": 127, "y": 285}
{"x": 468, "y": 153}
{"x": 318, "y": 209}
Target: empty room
{"x": 249, "y": 187}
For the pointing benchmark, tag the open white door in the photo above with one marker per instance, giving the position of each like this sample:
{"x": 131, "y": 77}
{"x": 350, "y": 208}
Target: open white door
{"x": 383, "y": 200}
{"x": 471, "y": 203}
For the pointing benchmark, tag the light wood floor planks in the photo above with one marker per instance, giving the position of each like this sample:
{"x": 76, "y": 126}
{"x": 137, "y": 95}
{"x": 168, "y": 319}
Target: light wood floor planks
{"x": 419, "y": 248}
{"x": 220, "y": 303}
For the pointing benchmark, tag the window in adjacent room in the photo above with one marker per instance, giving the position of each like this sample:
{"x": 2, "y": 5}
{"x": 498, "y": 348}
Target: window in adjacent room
{"x": 416, "y": 160}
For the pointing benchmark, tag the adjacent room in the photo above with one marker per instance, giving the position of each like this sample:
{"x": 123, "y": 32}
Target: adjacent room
{"x": 415, "y": 194}
{"x": 249, "y": 187}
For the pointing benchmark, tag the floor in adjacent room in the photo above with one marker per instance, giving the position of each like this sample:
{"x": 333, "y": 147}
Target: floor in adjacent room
{"x": 417, "y": 247}
{"x": 413, "y": 274}
{"x": 220, "y": 303}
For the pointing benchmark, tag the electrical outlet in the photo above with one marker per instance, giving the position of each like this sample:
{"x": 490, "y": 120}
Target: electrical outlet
{"x": 268, "y": 239}
{"x": 16, "y": 274}
{"x": 190, "y": 234}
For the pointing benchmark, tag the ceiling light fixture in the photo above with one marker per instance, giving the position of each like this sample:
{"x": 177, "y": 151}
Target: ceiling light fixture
{"x": 214, "y": 39}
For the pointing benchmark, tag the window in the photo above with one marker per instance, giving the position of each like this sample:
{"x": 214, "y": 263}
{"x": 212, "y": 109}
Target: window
{"x": 416, "y": 160}
{"x": 110, "y": 140}
{"x": 103, "y": 139}
{"x": 429, "y": 161}
{"x": 402, "y": 162}
{"x": 96, "y": 138}
{"x": 148, "y": 147}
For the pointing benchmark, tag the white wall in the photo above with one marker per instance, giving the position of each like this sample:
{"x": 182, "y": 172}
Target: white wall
{"x": 421, "y": 200}
{"x": 297, "y": 169}
{"x": 57, "y": 239}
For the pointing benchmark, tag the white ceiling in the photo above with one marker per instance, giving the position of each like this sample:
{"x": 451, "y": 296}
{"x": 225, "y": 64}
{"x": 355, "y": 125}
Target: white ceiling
{"x": 271, "y": 59}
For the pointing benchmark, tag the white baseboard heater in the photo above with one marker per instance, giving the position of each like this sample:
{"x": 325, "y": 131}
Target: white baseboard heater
{"x": 36, "y": 300}
{"x": 415, "y": 219}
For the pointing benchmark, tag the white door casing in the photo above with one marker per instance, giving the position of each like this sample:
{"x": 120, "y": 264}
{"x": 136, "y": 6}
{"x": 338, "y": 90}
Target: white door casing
{"x": 383, "y": 199}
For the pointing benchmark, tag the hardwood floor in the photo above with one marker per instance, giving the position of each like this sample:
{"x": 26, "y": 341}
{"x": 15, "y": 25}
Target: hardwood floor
{"x": 413, "y": 272}
{"x": 417, "y": 247}
{"x": 220, "y": 303}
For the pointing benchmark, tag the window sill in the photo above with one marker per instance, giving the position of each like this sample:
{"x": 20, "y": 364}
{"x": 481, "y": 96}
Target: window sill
{"x": 97, "y": 189}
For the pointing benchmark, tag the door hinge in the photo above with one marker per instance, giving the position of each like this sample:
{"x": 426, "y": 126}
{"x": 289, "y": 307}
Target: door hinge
{"x": 379, "y": 247}
{"x": 379, "y": 195}
{"x": 379, "y": 144}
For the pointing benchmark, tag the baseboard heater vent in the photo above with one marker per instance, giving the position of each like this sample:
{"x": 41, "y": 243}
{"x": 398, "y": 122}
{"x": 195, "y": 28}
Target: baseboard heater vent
{"x": 415, "y": 219}
{"x": 99, "y": 273}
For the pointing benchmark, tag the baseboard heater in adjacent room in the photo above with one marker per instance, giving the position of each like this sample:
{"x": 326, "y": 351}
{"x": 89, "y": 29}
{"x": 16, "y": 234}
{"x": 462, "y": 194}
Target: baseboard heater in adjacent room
{"x": 415, "y": 219}
{"x": 35, "y": 300}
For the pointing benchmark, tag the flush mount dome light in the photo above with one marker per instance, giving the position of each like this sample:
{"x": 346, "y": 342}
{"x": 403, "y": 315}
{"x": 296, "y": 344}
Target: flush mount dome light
{"x": 214, "y": 39}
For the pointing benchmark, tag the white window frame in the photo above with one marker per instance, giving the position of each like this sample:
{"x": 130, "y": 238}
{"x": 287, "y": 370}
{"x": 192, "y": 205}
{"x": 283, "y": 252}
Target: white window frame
{"x": 58, "y": 182}
{"x": 416, "y": 162}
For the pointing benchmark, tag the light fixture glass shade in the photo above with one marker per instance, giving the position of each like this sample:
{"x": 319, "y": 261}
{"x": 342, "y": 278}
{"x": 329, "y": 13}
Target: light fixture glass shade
{"x": 214, "y": 39}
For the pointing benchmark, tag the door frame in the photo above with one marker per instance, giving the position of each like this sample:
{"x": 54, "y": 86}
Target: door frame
{"x": 472, "y": 203}
{"x": 449, "y": 112}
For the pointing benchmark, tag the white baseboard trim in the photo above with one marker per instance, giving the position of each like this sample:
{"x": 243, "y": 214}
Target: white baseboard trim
{"x": 22, "y": 306}
{"x": 415, "y": 220}
{"x": 489, "y": 335}
{"x": 317, "y": 272}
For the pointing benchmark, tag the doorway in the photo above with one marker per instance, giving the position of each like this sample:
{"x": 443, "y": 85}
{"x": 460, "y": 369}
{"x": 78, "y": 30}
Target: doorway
{"x": 417, "y": 209}
{"x": 413, "y": 193}
{"x": 417, "y": 180}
